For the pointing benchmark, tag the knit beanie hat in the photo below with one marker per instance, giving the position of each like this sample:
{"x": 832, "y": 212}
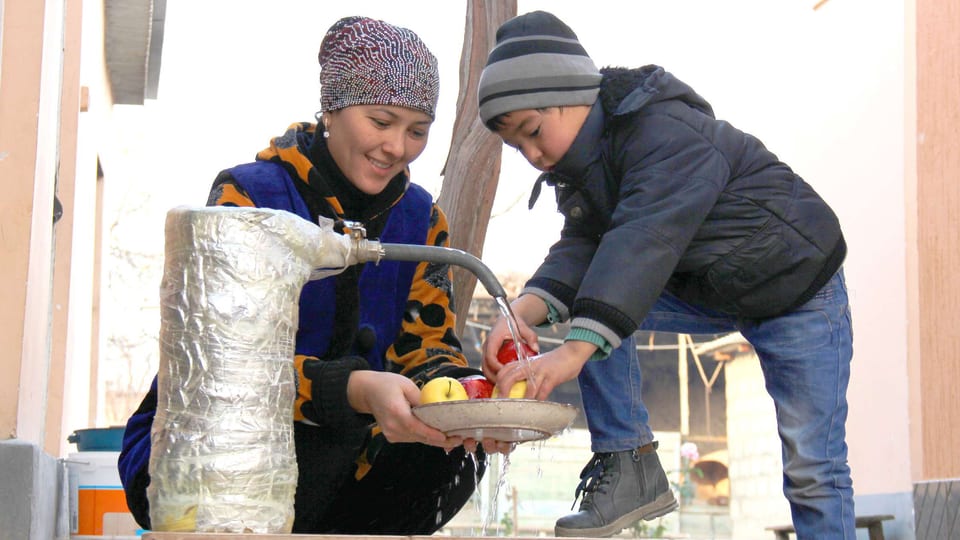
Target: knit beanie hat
{"x": 365, "y": 61}
{"x": 537, "y": 62}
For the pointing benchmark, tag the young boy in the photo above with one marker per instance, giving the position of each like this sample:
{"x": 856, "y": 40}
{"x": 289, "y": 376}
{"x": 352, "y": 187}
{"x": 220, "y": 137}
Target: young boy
{"x": 674, "y": 221}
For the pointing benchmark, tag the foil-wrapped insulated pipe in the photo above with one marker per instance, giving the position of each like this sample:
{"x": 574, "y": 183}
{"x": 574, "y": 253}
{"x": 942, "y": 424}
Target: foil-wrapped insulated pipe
{"x": 222, "y": 449}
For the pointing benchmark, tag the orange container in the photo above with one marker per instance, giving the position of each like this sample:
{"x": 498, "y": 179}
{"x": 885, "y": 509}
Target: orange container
{"x": 96, "y": 496}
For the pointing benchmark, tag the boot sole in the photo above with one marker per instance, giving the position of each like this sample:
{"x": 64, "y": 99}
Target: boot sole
{"x": 662, "y": 505}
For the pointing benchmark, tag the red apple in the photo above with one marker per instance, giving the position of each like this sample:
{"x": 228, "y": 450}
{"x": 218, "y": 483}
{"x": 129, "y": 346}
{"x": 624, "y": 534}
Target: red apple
{"x": 508, "y": 351}
{"x": 477, "y": 386}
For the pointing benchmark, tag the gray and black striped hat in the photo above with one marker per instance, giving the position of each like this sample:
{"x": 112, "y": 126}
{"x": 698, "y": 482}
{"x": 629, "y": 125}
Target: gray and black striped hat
{"x": 537, "y": 62}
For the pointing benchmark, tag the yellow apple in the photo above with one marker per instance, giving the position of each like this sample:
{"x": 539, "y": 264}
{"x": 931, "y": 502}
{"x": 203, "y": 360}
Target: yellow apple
{"x": 442, "y": 389}
{"x": 518, "y": 390}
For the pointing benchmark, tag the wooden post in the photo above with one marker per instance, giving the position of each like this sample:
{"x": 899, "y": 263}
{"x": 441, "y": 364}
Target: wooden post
{"x": 472, "y": 169}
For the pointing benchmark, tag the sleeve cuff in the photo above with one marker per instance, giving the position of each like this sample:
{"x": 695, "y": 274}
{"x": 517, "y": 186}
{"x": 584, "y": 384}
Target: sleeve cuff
{"x": 592, "y": 325}
{"x": 582, "y": 334}
{"x": 330, "y": 394}
{"x": 553, "y": 316}
{"x": 553, "y": 303}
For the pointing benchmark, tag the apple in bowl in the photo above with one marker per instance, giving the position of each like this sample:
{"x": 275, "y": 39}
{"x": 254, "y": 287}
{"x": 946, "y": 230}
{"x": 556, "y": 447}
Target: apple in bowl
{"x": 517, "y": 391}
{"x": 508, "y": 351}
{"x": 442, "y": 389}
{"x": 477, "y": 386}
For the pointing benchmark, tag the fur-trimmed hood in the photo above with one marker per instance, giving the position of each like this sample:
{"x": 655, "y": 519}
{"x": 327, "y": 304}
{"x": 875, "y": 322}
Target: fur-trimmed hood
{"x": 624, "y": 90}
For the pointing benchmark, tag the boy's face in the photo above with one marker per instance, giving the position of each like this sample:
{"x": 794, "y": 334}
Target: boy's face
{"x": 543, "y": 136}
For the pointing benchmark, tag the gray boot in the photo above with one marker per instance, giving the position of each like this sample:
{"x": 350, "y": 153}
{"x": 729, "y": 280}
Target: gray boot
{"x": 619, "y": 489}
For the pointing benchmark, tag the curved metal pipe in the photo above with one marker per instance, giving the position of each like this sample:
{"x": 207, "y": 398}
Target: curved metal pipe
{"x": 436, "y": 254}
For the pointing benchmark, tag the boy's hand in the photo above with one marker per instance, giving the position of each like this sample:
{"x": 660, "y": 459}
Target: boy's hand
{"x": 495, "y": 340}
{"x": 545, "y": 372}
{"x": 529, "y": 310}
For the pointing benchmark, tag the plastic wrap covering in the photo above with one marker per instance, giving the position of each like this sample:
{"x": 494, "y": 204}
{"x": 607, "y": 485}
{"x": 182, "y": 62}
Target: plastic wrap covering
{"x": 223, "y": 457}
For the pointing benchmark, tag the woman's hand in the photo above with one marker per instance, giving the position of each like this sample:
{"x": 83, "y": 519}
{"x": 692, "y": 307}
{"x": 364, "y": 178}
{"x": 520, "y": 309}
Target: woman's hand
{"x": 389, "y": 397}
{"x": 490, "y": 446}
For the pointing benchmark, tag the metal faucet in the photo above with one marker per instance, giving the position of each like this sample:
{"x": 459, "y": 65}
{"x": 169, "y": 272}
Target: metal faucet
{"x": 374, "y": 251}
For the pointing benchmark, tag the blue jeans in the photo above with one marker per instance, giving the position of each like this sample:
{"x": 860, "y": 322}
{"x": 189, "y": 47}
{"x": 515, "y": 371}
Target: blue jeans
{"x": 805, "y": 357}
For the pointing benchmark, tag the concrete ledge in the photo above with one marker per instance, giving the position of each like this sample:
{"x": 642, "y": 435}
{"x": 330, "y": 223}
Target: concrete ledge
{"x": 873, "y": 524}
{"x": 247, "y": 536}
{"x": 33, "y": 497}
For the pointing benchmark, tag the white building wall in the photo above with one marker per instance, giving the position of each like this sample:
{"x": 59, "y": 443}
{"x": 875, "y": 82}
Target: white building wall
{"x": 755, "y": 468}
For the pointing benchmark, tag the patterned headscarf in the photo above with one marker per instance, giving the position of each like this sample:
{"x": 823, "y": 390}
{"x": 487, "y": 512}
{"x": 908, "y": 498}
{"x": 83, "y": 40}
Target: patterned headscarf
{"x": 366, "y": 61}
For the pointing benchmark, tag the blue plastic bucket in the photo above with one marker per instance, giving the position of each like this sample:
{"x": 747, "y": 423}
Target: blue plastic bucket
{"x": 98, "y": 439}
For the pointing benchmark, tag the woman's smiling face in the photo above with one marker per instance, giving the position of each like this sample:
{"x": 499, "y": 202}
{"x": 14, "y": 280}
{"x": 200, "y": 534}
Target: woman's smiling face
{"x": 373, "y": 143}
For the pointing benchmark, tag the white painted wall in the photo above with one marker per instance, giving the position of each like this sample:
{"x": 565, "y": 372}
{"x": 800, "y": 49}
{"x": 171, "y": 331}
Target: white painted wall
{"x": 94, "y": 140}
{"x": 756, "y": 465}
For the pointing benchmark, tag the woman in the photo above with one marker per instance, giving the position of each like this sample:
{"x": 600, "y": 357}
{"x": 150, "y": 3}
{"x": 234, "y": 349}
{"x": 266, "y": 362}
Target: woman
{"x": 370, "y": 336}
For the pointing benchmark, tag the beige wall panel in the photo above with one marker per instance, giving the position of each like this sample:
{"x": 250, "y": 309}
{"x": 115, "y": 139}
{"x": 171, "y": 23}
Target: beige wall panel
{"x": 938, "y": 233}
{"x": 19, "y": 105}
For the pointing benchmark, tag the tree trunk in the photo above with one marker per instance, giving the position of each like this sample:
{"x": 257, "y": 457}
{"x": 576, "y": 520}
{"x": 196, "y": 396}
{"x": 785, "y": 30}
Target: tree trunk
{"x": 472, "y": 169}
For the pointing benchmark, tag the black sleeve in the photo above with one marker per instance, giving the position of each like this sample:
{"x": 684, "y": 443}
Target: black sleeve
{"x": 328, "y": 406}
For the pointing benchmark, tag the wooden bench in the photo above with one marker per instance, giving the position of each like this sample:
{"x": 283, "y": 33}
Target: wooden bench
{"x": 873, "y": 525}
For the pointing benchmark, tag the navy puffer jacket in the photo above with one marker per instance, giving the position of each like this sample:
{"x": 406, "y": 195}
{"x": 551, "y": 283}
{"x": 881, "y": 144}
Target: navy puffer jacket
{"x": 657, "y": 193}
